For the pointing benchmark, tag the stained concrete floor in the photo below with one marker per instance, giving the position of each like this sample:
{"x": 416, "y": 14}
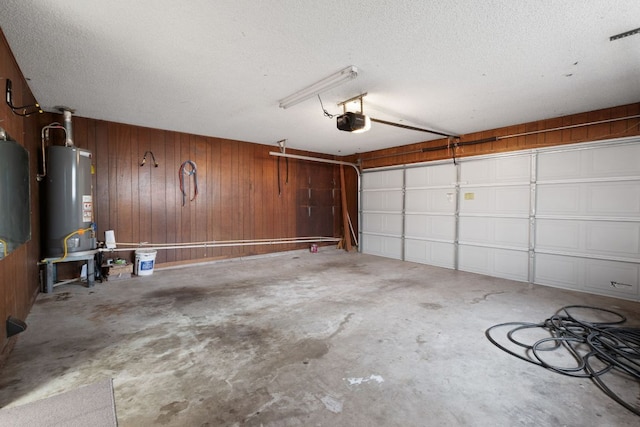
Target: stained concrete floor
{"x": 302, "y": 339}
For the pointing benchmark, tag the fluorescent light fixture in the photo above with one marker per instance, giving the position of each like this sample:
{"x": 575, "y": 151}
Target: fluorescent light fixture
{"x": 336, "y": 79}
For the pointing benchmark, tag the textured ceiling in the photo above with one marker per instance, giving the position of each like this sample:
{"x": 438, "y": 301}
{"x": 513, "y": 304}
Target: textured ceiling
{"x": 218, "y": 68}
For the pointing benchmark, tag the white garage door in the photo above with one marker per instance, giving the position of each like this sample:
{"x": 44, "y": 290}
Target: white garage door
{"x": 495, "y": 209}
{"x": 588, "y": 219}
{"x": 382, "y": 213}
{"x": 566, "y": 217}
{"x": 430, "y": 209}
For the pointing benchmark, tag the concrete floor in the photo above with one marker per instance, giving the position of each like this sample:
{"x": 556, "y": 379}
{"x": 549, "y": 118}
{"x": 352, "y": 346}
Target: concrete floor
{"x": 302, "y": 339}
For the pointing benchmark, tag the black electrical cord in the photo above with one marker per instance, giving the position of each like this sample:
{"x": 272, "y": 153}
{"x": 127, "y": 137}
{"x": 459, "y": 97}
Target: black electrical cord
{"x": 16, "y": 110}
{"x": 279, "y": 187}
{"x": 616, "y": 349}
{"x": 324, "y": 111}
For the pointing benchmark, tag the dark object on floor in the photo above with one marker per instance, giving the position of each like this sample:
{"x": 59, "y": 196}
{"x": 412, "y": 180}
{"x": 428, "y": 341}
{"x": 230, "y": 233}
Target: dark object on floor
{"x": 15, "y": 326}
{"x": 596, "y": 348}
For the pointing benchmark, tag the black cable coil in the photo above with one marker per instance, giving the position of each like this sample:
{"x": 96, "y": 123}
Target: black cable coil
{"x": 598, "y": 348}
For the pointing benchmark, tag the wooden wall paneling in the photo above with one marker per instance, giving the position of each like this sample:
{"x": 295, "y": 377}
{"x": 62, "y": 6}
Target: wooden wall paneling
{"x": 123, "y": 184}
{"x": 286, "y": 203}
{"x": 351, "y": 182}
{"x": 174, "y": 210}
{"x": 199, "y": 226}
{"x": 521, "y": 141}
{"x": 602, "y": 130}
{"x": 112, "y": 180}
{"x": 226, "y": 197}
{"x": 323, "y": 201}
{"x": 555, "y": 137}
{"x": 385, "y": 157}
{"x": 579, "y": 134}
{"x": 214, "y": 212}
{"x": 540, "y": 137}
{"x": 134, "y": 158}
{"x": 192, "y": 229}
{"x": 304, "y": 183}
{"x": 144, "y": 174}
{"x": 259, "y": 198}
{"x": 274, "y": 225}
{"x": 532, "y": 139}
{"x": 157, "y": 190}
{"x": 270, "y": 199}
{"x": 336, "y": 196}
{"x": 101, "y": 189}
{"x": 186, "y": 209}
{"x": 247, "y": 154}
{"x": 632, "y": 125}
{"x": 235, "y": 195}
{"x": 172, "y": 200}
{"x": 566, "y": 133}
{"x": 619, "y": 128}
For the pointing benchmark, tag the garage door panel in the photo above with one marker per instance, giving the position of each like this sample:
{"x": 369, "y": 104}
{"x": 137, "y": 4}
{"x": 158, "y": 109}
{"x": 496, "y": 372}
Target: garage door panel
{"x": 495, "y": 200}
{"x": 390, "y": 201}
{"x": 590, "y": 199}
{"x": 430, "y": 201}
{"x": 558, "y": 235}
{"x": 612, "y": 277}
{"x": 430, "y": 227}
{"x": 604, "y": 238}
{"x": 507, "y": 264}
{"x": 557, "y": 270}
{"x": 389, "y": 247}
{"x": 429, "y": 176}
{"x": 600, "y": 162}
{"x": 382, "y": 223}
{"x": 561, "y": 199}
{"x": 382, "y": 180}
{"x": 619, "y": 238}
{"x": 432, "y": 253}
{"x": 593, "y": 275}
{"x": 512, "y": 232}
{"x": 561, "y": 165}
{"x": 619, "y": 199}
{"x": 498, "y": 170}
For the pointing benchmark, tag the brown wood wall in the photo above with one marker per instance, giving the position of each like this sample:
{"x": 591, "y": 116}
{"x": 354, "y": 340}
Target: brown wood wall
{"x": 537, "y": 138}
{"x": 238, "y": 196}
{"x": 19, "y": 280}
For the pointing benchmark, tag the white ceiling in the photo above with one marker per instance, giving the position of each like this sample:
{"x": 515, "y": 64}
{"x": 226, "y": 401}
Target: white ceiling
{"x": 218, "y": 68}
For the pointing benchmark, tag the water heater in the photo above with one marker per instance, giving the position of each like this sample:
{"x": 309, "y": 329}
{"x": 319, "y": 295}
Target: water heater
{"x": 68, "y": 198}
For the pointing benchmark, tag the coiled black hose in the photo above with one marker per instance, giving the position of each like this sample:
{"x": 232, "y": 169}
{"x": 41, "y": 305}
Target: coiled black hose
{"x": 603, "y": 344}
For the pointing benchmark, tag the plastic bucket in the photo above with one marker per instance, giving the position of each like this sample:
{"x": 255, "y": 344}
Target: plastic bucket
{"x": 145, "y": 259}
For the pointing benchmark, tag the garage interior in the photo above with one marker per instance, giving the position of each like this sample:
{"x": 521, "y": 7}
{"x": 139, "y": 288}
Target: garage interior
{"x": 297, "y": 273}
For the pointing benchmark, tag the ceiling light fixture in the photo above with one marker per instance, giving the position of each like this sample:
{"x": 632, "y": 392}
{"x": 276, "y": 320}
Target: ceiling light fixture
{"x": 329, "y": 82}
{"x": 625, "y": 34}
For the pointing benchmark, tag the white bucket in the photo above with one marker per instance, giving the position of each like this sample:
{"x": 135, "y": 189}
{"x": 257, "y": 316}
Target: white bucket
{"x": 145, "y": 259}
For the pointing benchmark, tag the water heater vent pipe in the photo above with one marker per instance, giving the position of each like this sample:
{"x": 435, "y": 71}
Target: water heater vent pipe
{"x": 66, "y": 114}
